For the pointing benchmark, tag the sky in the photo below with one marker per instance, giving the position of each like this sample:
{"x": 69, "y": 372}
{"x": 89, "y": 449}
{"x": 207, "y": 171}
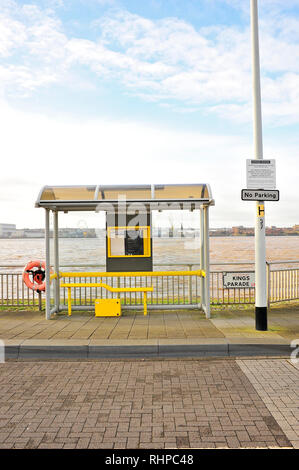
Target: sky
{"x": 142, "y": 92}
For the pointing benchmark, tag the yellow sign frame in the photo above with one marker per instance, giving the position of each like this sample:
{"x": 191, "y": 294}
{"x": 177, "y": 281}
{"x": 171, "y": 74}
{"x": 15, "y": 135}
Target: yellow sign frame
{"x": 146, "y": 241}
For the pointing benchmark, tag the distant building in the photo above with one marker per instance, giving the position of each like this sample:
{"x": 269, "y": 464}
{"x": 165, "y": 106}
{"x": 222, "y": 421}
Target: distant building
{"x": 77, "y": 233}
{"x": 237, "y": 231}
{"x": 34, "y": 233}
{"x": 274, "y": 230}
{"x": 18, "y": 233}
{"x": 220, "y": 232}
{"x": 6, "y": 230}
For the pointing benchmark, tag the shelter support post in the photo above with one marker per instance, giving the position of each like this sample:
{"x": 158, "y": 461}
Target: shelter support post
{"x": 47, "y": 242}
{"x": 56, "y": 261}
{"x": 202, "y": 257}
{"x": 206, "y": 306}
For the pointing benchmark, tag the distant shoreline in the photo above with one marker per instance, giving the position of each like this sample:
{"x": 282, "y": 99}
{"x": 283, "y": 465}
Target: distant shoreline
{"x": 212, "y": 235}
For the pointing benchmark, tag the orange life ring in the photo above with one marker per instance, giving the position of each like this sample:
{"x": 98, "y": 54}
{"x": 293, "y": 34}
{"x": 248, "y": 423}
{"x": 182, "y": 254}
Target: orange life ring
{"x": 38, "y": 275}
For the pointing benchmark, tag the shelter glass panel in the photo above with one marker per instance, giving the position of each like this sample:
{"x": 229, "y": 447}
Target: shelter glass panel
{"x": 112, "y": 193}
{"x": 76, "y": 193}
{"x": 177, "y": 191}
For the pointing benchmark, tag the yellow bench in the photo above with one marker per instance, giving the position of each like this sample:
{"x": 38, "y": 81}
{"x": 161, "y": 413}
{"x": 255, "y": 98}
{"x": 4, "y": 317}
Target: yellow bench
{"x": 69, "y": 285}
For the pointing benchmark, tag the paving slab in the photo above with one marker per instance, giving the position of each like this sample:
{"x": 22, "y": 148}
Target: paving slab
{"x": 277, "y": 383}
{"x": 54, "y": 342}
{"x": 123, "y": 342}
{"x": 13, "y": 342}
{"x": 192, "y": 341}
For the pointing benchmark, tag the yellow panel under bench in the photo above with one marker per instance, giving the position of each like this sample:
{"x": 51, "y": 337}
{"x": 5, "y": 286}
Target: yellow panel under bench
{"x": 107, "y": 308}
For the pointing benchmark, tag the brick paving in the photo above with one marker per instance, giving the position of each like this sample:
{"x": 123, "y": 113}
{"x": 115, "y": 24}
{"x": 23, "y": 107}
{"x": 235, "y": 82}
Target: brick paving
{"x": 137, "y": 404}
{"x": 277, "y": 383}
{"x": 81, "y": 326}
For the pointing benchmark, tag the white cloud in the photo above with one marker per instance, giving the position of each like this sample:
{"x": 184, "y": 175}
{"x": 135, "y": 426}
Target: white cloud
{"x": 33, "y": 48}
{"x": 159, "y": 60}
{"x": 165, "y": 60}
{"x": 12, "y": 35}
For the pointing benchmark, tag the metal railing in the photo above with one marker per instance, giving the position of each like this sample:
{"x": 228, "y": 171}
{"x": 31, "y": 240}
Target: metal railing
{"x": 283, "y": 282}
{"x": 283, "y": 285}
{"x": 175, "y": 290}
{"x": 13, "y": 291}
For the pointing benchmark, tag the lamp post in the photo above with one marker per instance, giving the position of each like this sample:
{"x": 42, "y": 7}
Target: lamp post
{"x": 260, "y": 228}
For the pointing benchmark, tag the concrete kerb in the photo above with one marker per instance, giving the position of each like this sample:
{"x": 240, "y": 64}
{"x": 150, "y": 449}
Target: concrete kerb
{"x": 53, "y": 352}
{"x": 259, "y": 349}
{"x": 96, "y": 352}
{"x": 11, "y": 352}
{"x": 154, "y": 350}
{"x": 194, "y": 350}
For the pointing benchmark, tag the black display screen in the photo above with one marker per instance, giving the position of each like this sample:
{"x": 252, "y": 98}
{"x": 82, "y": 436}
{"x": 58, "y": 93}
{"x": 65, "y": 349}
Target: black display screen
{"x": 134, "y": 243}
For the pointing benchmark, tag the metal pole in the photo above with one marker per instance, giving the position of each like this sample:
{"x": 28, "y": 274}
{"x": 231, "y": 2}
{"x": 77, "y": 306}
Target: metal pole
{"x": 202, "y": 257}
{"x": 56, "y": 261}
{"x": 47, "y": 240}
{"x": 260, "y": 233}
{"x": 207, "y": 261}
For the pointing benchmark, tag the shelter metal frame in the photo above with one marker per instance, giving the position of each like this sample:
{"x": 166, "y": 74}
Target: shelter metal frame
{"x": 95, "y": 204}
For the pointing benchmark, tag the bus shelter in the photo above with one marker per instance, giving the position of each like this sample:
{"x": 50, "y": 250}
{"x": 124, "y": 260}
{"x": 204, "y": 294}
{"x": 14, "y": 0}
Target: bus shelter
{"x": 129, "y": 247}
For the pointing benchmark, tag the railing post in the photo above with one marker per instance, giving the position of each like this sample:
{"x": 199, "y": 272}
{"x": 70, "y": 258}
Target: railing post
{"x": 40, "y": 301}
{"x": 268, "y": 283}
{"x": 190, "y": 284}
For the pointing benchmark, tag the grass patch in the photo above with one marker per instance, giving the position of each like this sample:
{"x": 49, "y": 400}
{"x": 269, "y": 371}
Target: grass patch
{"x": 271, "y": 329}
{"x": 18, "y": 308}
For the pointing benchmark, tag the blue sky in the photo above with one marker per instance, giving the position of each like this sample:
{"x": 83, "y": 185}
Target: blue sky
{"x": 123, "y": 91}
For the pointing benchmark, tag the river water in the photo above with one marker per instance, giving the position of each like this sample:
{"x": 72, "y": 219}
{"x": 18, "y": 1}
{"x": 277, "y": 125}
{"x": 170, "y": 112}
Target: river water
{"x": 170, "y": 250}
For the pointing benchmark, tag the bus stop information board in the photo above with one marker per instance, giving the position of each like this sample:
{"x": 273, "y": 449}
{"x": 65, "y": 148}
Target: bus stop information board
{"x": 261, "y": 174}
